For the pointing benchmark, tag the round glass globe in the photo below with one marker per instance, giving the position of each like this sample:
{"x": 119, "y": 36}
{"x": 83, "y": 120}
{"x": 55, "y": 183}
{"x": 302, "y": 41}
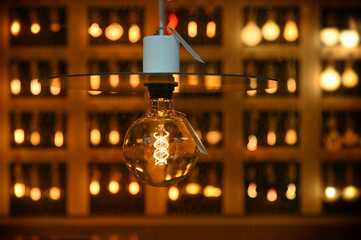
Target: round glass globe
{"x": 158, "y": 148}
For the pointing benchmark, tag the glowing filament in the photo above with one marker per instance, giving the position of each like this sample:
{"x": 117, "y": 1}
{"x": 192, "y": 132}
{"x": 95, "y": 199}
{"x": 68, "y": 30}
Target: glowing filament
{"x": 161, "y": 146}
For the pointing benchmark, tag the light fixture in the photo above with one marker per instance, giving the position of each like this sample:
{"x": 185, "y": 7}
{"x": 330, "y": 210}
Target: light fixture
{"x": 35, "y": 192}
{"x": 252, "y": 144}
{"x": 95, "y": 135}
{"x": 251, "y": 34}
{"x": 290, "y": 32}
{"x": 35, "y": 26}
{"x": 55, "y": 191}
{"x": 173, "y": 193}
{"x": 212, "y": 189}
{"x": 291, "y": 74}
{"x": 114, "y": 187}
{"x": 55, "y": 83}
{"x": 134, "y": 30}
{"x": 291, "y": 133}
{"x": 19, "y": 133}
{"x": 291, "y": 192}
{"x": 271, "y": 30}
{"x": 350, "y": 38}
{"x": 59, "y": 129}
{"x": 133, "y": 187}
{"x": 114, "y": 31}
{"x": 95, "y": 30}
{"x": 330, "y": 79}
{"x": 331, "y": 193}
{"x": 35, "y": 86}
{"x": 19, "y": 186}
{"x": 271, "y": 134}
{"x": 94, "y": 80}
{"x": 193, "y": 186}
{"x": 252, "y": 71}
{"x": 211, "y": 29}
{"x": 193, "y": 80}
{"x": 252, "y": 190}
{"x": 15, "y": 27}
{"x": 272, "y": 86}
{"x": 15, "y": 83}
{"x": 54, "y": 20}
{"x": 94, "y": 186}
{"x": 272, "y": 195}
{"x": 349, "y": 77}
{"x": 134, "y": 79}
{"x": 214, "y": 135}
{"x": 330, "y": 34}
{"x": 35, "y": 137}
{"x": 251, "y": 178}
{"x": 192, "y": 29}
{"x": 113, "y": 78}
{"x": 271, "y": 181}
{"x": 350, "y": 192}
{"x": 114, "y": 136}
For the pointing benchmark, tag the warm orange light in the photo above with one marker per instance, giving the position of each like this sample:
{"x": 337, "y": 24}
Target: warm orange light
{"x": 212, "y": 82}
{"x": 330, "y": 79}
{"x": 95, "y": 31}
{"x": 214, "y": 137}
{"x": 55, "y": 193}
{"x": 291, "y": 191}
{"x": 55, "y": 27}
{"x": 35, "y": 138}
{"x": 193, "y": 188}
{"x": 35, "y": 194}
{"x": 134, "y": 80}
{"x": 271, "y": 195}
{"x": 271, "y": 137}
{"x": 94, "y": 82}
{"x": 95, "y": 136}
{"x": 291, "y": 85}
{"x": 134, "y": 33}
{"x": 35, "y": 87}
{"x": 58, "y": 139}
{"x": 291, "y": 31}
{"x": 252, "y": 190}
{"x": 173, "y": 21}
{"x": 270, "y": 30}
{"x": 331, "y": 193}
{"x": 94, "y": 187}
{"x": 211, "y": 191}
{"x": 15, "y": 27}
{"x": 329, "y": 36}
{"x": 211, "y": 29}
{"x": 114, "y": 80}
{"x": 114, "y": 137}
{"x": 15, "y": 86}
{"x": 251, "y": 34}
{"x": 134, "y": 188}
{"x": 35, "y": 28}
{"x": 192, "y": 29}
{"x": 173, "y": 193}
{"x": 113, "y": 187}
{"x": 349, "y": 38}
{"x": 349, "y": 78}
{"x": 252, "y": 144}
{"x": 19, "y": 136}
{"x": 114, "y": 31}
{"x": 291, "y": 136}
{"x": 55, "y": 86}
{"x": 350, "y": 193}
{"x": 272, "y": 87}
{"x": 19, "y": 190}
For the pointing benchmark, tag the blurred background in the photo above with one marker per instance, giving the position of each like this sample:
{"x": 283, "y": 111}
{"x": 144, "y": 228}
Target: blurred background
{"x": 284, "y": 162}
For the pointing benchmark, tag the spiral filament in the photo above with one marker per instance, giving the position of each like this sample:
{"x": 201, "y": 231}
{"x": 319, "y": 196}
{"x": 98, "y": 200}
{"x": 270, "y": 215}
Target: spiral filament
{"x": 161, "y": 146}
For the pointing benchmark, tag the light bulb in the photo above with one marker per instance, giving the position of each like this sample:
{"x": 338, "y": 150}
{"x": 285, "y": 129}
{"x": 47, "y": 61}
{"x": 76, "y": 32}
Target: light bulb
{"x": 291, "y": 85}
{"x": 349, "y": 38}
{"x": 330, "y": 79}
{"x": 160, "y": 144}
{"x": 251, "y": 34}
{"x": 291, "y": 191}
{"x": 19, "y": 136}
{"x": 95, "y": 31}
{"x": 55, "y": 86}
{"x": 270, "y": 30}
{"x": 134, "y": 33}
{"x": 35, "y": 194}
{"x": 134, "y": 188}
{"x": 331, "y": 193}
{"x": 55, "y": 193}
{"x": 271, "y": 195}
{"x": 59, "y": 139}
{"x": 95, "y": 136}
{"x": 214, "y": 137}
{"x": 94, "y": 187}
{"x": 114, "y": 80}
{"x": 35, "y": 138}
{"x": 134, "y": 80}
{"x": 35, "y": 28}
{"x": 35, "y": 87}
{"x": 290, "y": 32}
{"x": 291, "y": 136}
{"x": 94, "y": 82}
{"x": 173, "y": 193}
{"x": 193, "y": 188}
{"x": 19, "y": 190}
{"x": 192, "y": 29}
{"x": 212, "y": 82}
{"x": 271, "y": 137}
{"x": 252, "y": 190}
{"x": 15, "y": 27}
{"x": 272, "y": 87}
{"x": 329, "y": 36}
{"x": 211, "y": 29}
{"x": 252, "y": 144}
{"x": 212, "y": 191}
{"x": 349, "y": 78}
{"x": 114, "y": 31}
{"x": 55, "y": 27}
{"x": 114, "y": 137}
{"x": 350, "y": 193}
{"x": 113, "y": 187}
{"x": 15, "y": 86}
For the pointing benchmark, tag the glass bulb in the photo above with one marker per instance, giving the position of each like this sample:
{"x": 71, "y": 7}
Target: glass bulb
{"x": 291, "y": 31}
{"x": 114, "y": 137}
{"x": 212, "y": 191}
{"x": 251, "y": 34}
{"x": 330, "y": 79}
{"x": 134, "y": 33}
{"x": 350, "y": 193}
{"x": 173, "y": 193}
{"x": 192, "y": 29}
{"x": 95, "y": 136}
{"x": 271, "y": 195}
{"x": 252, "y": 144}
{"x": 94, "y": 30}
{"x": 159, "y": 144}
{"x": 291, "y": 85}
{"x": 349, "y": 78}
{"x": 134, "y": 188}
{"x": 291, "y": 191}
{"x": 291, "y": 136}
{"x": 114, "y": 80}
{"x": 55, "y": 86}
{"x": 134, "y": 80}
{"x": 211, "y": 29}
{"x": 214, "y": 137}
{"x": 114, "y": 31}
{"x": 35, "y": 194}
{"x": 35, "y": 28}
{"x": 349, "y": 38}
{"x": 271, "y": 137}
{"x": 19, "y": 190}
{"x": 55, "y": 193}
{"x": 15, "y": 86}
{"x": 58, "y": 138}
{"x": 15, "y": 27}
{"x": 19, "y": 136}
{"x": 252, "y": 190}
{"x": 329, "y": 36}
{"x": 94, "y": 187}
{"x": 331, "y": 193}
{"x": 113, "y": 187}
{"x": 193, "y": 188}
{"x": 35, "y": 138}
{"x": 35, "y": 87}
{"x": 270, "y": 30}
